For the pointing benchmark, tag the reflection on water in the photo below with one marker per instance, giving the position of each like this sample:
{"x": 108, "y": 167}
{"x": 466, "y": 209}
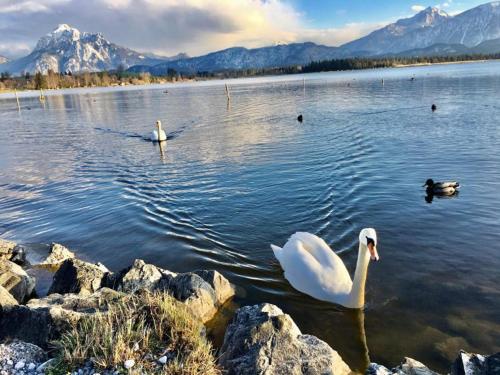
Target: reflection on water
{"x": 234, "y": 177}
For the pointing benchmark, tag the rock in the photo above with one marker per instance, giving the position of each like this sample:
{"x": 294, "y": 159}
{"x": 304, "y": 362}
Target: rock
{"x": 15, "y": 280}
{"x": 6, "y": 249}
{"x": 163, "y": 360}
{"x": 21, "y": 353}
{"x": 43, "y": 320}
{"x": 261, "y": 339}
{"x": 476, "y": 364}
{"x": 6, "y": 299}
{"x": 57, "y": 255}
{"x": 408, "y": 367}
{"x": 31, "y": 366}
{"x": 129, "y": 363}
{"x": 19, "y": 255}
{"x": 138, "y": 276}
{"x": 77, "y": 276}
{"x": 19, "y": 365}
{"x": 199, "y": 295}
{"x": 204, "y": 292}
{"x": 222, "y": 287}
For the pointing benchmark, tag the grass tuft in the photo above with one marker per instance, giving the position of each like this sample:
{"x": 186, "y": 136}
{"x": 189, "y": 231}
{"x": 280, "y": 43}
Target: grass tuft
{"x": 142, "y": 327}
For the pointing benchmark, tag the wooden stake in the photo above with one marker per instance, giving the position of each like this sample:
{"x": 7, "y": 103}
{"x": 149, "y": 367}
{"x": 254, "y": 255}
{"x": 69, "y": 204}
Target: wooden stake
{"x": 227, "y": 92}
{"x": 17, "y": 99}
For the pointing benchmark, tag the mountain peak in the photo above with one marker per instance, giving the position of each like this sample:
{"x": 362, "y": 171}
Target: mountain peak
{"x": 62, "y": 27}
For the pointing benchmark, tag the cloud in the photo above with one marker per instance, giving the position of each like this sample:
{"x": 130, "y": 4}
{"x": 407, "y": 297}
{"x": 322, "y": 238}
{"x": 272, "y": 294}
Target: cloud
{"x": 339, "y": 36}
{"x": 12, "y": 6}
{"x": 168, "y": 26}
{"x": 417, "y": 8}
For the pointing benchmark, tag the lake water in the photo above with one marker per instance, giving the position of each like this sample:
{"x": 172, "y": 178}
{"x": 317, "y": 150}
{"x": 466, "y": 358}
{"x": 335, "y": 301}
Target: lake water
{"x": 233, "y": 179}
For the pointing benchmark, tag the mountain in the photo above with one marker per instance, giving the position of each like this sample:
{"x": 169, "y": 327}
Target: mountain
{"x": 242, "y": 58}
{"x": 3, "y": 59}
{"x": 443, "y": 49}
{"x": 433, "y": 26}
{"x": 66, "y": 49}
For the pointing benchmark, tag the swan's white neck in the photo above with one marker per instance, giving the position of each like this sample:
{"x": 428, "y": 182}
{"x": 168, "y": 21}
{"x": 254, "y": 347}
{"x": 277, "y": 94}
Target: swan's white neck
{"x": 357, "y": 295}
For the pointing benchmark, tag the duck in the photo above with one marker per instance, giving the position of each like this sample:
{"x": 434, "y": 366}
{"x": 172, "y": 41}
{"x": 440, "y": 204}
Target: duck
{"x": 313, "y": 268}
{"x": 159, "y": 134}
{"x": 441, "y": 188}
{"x": 300, "y": 118}
{"x": 434, "y": 108}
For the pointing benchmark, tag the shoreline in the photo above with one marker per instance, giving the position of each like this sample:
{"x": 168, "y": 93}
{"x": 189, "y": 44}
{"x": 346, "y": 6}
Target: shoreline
{"x": 31, "y": 92}
{"x": 82, "y": 291}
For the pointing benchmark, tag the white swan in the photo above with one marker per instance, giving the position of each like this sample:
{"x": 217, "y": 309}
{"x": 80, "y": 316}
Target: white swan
{"x": 313, "y": 268}
{"x": 158, "y": 135}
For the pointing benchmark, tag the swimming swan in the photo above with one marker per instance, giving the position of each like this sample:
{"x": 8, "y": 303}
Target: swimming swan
{"x": 441, "y": 188}
{"x": 159, "y": 134}
{"x": 313, "y": 268}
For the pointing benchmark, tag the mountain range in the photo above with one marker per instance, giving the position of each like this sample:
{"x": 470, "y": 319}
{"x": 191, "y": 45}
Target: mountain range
{"x": 66, "y": 49}
{"x": 429, "y": 32}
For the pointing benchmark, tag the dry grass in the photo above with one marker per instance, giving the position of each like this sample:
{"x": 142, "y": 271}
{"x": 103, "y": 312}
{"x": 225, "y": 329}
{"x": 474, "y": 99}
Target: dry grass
{"x": 142, "y": 327}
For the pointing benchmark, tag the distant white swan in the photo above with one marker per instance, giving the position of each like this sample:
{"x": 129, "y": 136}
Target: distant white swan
{"x": 158, "y": 134}
{"x": 313, "y": 268}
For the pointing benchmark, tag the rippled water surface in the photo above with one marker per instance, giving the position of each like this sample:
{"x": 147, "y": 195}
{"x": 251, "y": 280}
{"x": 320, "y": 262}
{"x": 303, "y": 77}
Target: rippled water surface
{"x": 233, "y": 179}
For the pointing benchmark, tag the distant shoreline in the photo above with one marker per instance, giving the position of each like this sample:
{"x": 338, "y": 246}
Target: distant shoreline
{"x": 445, "y": 63}
{"x": 162, "y": 83}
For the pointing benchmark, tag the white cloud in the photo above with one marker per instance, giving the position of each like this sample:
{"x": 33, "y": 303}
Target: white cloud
{"x": 9, "y": 6}
{"x": 171, "y": 26}
{"x": 339, "y": 36}
{"x": 417, "y": 8}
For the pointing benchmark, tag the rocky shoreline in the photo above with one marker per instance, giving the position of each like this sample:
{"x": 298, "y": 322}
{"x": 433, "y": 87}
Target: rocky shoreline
{"x": 260, "y": 339}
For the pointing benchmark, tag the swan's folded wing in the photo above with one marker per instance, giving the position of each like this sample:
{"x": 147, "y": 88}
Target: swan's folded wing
{"x": 307, "y": 275}
{"x": 320, "y": 250}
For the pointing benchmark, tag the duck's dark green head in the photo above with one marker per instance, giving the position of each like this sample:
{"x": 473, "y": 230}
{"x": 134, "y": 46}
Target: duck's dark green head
{"x": 429, "y": 183}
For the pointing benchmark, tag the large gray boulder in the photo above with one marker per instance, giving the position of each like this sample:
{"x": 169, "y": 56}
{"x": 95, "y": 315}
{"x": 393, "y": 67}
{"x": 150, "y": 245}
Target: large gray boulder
{"x": 408, "y": 367}
{"x": 261, "y": 339}
{"x": 15, "y": 280}
{"x": 6, "y": 299}
{"x": 77, "y": 276}
{"x": 138, "y": 276}
{"x": 476, "y": 364}
{"x": 203, "y": 292}
{"x": 43, "y": 320}
{"x": 6, "y": 249}
{"x": 57, "y": 255}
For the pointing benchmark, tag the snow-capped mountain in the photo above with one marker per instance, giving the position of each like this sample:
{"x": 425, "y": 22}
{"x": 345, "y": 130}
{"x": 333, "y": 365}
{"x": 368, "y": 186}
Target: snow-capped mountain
{"x": 3, "y": 59}
{"x": 433, "y": 26}
{"x": 66, "y": 49}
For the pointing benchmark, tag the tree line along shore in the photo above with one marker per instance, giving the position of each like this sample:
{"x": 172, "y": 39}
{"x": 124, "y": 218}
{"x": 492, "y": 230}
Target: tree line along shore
{"x": 121, "y": 77}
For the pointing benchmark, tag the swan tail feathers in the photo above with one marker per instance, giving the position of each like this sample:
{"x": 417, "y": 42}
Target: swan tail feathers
{"x": 278, "y": 251}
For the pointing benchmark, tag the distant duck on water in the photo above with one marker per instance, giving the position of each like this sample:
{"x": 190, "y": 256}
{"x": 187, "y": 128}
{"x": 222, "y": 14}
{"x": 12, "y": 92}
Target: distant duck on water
{"x": 441, "y": 188}
{"x": 159, "y": 134}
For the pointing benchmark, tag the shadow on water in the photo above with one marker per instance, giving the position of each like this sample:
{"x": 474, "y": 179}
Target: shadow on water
{"x": 429, "y": 197}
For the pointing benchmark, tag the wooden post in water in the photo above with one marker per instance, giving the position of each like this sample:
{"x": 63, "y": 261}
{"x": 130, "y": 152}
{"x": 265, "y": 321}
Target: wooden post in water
{"x": 227, "y": 93}
{"x": 42, "y": 97}
{"x": 17, "y": 99}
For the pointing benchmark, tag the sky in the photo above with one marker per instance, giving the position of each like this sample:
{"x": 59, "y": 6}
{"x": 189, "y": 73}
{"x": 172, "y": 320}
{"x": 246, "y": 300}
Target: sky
{"x": 196, "y": 27}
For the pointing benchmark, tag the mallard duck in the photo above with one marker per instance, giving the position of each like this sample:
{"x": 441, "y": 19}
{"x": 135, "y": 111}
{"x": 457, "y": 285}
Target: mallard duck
{"x": 441, "y": 188}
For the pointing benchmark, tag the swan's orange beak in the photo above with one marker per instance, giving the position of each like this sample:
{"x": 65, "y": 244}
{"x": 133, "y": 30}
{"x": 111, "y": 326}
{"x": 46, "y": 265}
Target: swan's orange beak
{"x": 373, "y": 252}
